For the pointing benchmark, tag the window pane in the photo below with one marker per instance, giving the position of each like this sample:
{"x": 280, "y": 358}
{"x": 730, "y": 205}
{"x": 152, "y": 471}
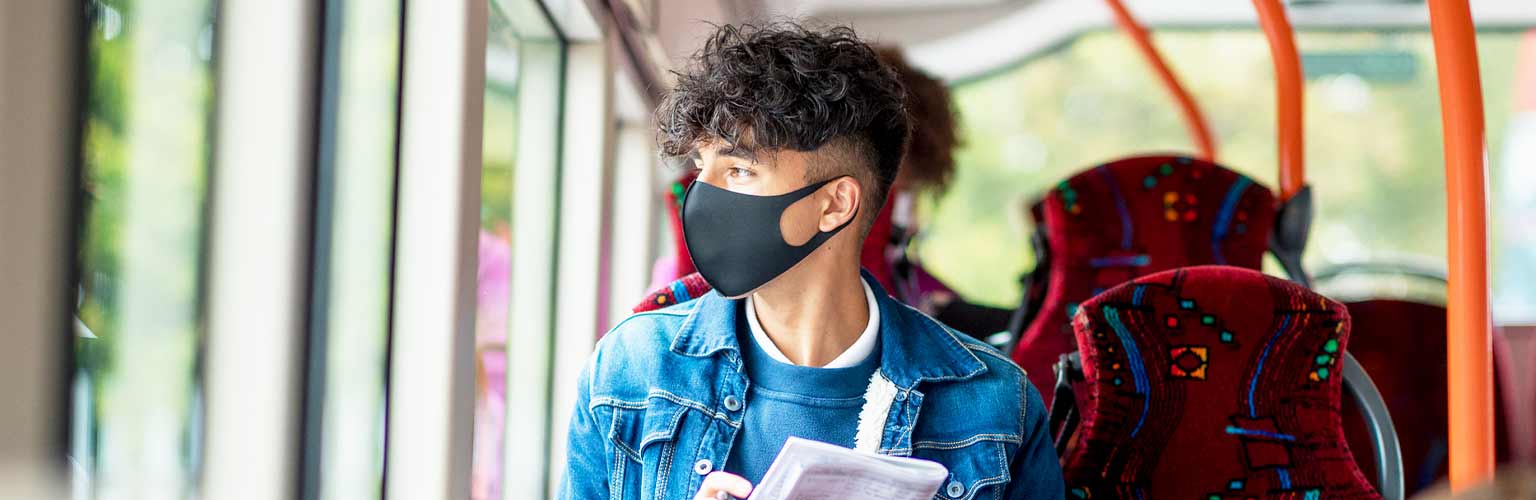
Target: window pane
{"x": 499, "y": 150}
{"x": 136, "y": 430}
{"x": 523, "y": 75}
{"x": 1513, "y": 183}
{"x": 1373, "y": 140}
{"x": 356, "y": 281}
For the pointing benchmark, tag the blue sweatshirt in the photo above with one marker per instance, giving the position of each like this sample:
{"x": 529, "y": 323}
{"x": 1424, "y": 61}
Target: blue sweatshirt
{"x": 784, "y": 400}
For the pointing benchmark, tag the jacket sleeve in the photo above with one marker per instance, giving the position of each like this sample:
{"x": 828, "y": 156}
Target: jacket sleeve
{"x": 1035, "y": 470}
{"x": 586, "y": 467}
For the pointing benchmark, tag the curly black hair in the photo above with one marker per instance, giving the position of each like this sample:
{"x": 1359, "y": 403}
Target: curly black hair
{"x": 930, "y": 160}
{"x": 784, "y": 86}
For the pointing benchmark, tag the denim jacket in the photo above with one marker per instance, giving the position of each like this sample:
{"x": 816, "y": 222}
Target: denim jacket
{"x": 661, "y": 401}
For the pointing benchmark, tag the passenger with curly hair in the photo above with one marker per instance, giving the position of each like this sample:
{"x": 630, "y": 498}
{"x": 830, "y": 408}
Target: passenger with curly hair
{"x": 925, "y": 171}
{"x": 797, "y": 135}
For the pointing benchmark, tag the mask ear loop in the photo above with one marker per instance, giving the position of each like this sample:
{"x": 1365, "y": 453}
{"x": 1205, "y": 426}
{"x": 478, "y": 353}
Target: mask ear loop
{"x": 822, "y": 236}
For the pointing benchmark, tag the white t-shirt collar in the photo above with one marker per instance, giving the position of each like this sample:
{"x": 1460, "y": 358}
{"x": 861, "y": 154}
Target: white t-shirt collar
{"x": 852, "y": 356}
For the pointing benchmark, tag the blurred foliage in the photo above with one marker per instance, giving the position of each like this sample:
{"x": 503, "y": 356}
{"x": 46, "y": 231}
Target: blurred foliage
{"x": 499, "y": 143}
{"x": 499, "y": 154}
{"x": 145, "y": 151}
{"x": 1373, "y": 147}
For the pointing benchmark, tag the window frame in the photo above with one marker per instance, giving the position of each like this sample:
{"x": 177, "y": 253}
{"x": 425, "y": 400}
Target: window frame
{"x": 39, "y": 179}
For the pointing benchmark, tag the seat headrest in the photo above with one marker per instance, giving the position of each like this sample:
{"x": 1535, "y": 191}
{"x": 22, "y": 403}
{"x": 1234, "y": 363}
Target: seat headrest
{"x": 1213, "y": 381}
{"x": 1166, "y": 211}
{"x": 1132, "y": 217}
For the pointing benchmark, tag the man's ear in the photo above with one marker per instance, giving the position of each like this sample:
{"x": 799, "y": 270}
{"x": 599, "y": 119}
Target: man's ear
{"x": 842, "y": 205}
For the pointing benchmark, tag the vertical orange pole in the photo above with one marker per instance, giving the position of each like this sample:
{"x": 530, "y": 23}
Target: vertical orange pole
{"x": 1469, "y": 346}
{"x": 1193, "y": 119}
{"x": 1288, "y": 96}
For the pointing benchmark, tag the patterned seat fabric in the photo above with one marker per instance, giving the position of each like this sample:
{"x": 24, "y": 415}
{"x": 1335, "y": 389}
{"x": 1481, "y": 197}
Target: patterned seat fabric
{"x": 1130, "y": 218}
{"x": 682, "y": 290}
{"x": 1212, "y": 382}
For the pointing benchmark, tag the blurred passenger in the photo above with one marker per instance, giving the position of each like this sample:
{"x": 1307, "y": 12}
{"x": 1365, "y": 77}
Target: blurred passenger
{"x": 797, "y": 135}
{"x": 925, "y": 171}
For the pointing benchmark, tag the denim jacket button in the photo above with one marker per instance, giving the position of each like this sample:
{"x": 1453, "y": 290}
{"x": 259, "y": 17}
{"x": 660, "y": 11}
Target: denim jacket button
{"x": 732, "y": 404}
{"x": 901, "y": 395}
{"x": 703, "y": 466}
{"x": 955, "y": 489}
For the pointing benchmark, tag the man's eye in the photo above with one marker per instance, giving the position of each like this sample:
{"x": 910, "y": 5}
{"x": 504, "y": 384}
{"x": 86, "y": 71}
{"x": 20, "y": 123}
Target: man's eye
{"x": 740, "y": 172}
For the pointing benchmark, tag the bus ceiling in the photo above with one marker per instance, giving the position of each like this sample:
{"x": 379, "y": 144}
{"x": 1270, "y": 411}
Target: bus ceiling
{"x": 968, "y": 39}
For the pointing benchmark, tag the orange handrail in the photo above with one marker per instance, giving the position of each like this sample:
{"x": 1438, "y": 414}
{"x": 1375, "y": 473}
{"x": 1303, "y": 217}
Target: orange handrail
{"x": 1469, "y": 343}
{"x": 1288, "y": 96}
{"x": 1199, "y": 131}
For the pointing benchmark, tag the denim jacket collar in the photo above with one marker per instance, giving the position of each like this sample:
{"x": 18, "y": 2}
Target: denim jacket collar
{"x": 913, "y": 347}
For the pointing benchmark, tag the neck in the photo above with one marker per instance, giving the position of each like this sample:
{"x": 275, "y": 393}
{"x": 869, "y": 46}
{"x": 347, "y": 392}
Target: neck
{"x": 815, "y": 315}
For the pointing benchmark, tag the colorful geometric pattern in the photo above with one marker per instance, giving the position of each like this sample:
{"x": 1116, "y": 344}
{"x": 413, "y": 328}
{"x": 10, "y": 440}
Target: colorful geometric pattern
{"x": 1211, "y": 382}
{"x": 688, "y": 288}
{"x": 1187, "y": 361}
{"x": 1129, "y": 218}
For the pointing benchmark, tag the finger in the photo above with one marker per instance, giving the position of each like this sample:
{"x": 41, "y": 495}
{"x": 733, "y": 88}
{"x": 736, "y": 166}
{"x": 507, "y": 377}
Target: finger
{"x": 717, "y": 482}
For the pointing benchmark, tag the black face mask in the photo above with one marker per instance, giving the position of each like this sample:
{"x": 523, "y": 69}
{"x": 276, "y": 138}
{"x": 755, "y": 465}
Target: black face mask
{"x": 734, "y": 238}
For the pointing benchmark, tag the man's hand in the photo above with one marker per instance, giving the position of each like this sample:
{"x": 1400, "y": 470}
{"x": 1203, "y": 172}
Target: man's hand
{"x": 723, "y": 482}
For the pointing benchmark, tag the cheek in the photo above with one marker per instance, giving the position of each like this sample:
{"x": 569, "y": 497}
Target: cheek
{"x": 798, "y": 224}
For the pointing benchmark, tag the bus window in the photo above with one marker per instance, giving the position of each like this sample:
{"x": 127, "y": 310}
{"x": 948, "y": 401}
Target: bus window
{"x": 135, "y": 428}
{"x": 498, "y": 150}
{"x": 523, "y": 78}
{"x": 1373, "y": 152}
{"x": 354, "y": 241}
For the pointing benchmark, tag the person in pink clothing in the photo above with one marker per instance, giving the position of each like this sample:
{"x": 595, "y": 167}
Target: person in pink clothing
{"x": 493, "y": 301}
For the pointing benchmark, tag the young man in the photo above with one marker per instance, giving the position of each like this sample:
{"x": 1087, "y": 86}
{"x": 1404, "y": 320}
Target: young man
{"x": 797, "y": 135}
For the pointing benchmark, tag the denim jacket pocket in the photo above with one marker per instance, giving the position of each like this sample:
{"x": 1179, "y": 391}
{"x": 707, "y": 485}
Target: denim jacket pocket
{"x": 978, "y": 466}
{"x": 644, "y": 435}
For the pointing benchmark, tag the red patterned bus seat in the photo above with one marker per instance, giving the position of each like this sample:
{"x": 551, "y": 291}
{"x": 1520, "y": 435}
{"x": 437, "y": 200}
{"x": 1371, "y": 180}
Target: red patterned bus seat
{"x": 1212, "y": 382}
{"x": 1130, "y": 218}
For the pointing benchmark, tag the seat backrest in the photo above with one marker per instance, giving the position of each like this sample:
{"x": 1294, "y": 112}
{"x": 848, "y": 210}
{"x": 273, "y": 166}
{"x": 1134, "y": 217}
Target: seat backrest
{"x": 1401, "y": 343}
{"x": 1212, "y": 382}
{"x": 1130, "y": 218}
{"x": 1517, "y": 344}
{"x": 1411, "y": 378}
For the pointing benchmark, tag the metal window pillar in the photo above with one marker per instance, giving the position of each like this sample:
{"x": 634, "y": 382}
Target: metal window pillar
{"x": 258, "y": 265}
{"x": 40, "y": 61}
{"x": 431, "y": 380}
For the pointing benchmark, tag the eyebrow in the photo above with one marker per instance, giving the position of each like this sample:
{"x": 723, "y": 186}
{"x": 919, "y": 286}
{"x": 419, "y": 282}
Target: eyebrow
{"x": 742, "y": 151}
